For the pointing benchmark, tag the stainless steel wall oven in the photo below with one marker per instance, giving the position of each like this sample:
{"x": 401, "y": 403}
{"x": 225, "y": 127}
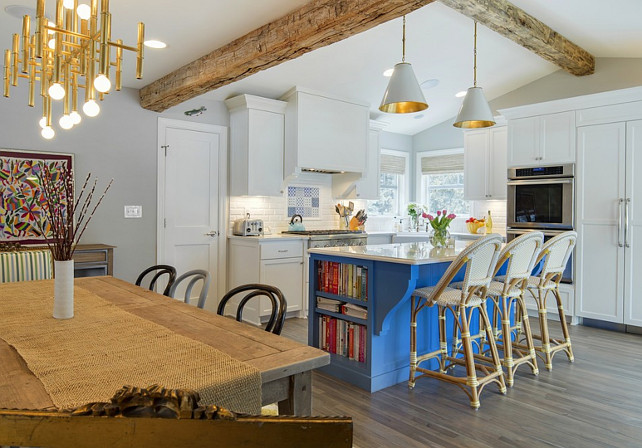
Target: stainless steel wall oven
{"x": 541, "y": 197}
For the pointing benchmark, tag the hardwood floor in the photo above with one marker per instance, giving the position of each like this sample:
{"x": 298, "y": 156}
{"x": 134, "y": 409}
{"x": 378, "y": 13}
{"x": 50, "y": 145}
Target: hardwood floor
{"x": 594, "y": 402}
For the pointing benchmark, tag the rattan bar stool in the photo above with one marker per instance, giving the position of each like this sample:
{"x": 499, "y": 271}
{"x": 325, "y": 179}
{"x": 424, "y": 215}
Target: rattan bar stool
{"x": 555, "y": 253}
{"x": 506, "y": 293}
{"x": 479, "y": 261}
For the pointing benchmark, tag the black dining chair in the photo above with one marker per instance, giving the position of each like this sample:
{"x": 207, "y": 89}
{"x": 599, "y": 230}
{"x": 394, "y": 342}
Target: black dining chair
{"x": 279, "y": 304}
{"x": 159, "y": 270}
{"x": 193, "y": 276}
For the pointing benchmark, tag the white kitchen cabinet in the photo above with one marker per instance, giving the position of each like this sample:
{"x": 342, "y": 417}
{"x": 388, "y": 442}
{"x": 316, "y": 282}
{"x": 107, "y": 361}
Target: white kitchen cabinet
{"x": 380, "y": 238}
{"x": 324, "y": 133}
{"x": 364, "y": 185}
{"x": 257, "y": 142}
{"x": 542, "y": 140}
{"x": 485, "y": 163}
{"x": 609, "y": 197}
{"x": 272, "y": 261}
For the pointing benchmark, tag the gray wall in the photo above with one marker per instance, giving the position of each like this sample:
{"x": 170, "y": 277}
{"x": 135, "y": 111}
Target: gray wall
{"x": 120, "y": 143}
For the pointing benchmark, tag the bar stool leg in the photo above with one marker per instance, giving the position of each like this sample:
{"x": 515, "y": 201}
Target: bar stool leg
{"x": 567, "y": 338}
{"x": 493, "y": 350}
{"x": 520, "y": 307}
{"x": 543, "y": 326}
{"x": 507, "y": 341}
{"x": 443, "y": 342}
{"x": 413, "y": 342}
{"x": 471, "y": 373}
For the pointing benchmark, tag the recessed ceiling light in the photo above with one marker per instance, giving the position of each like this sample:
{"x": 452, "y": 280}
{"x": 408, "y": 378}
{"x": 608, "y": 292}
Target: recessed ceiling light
{"x": 388, "y": 73}
{"x": 461, "y": 94}
{"x": 429, "y": 83}
{"x": 19, "y": 11}
{"x": 155, "y": 44}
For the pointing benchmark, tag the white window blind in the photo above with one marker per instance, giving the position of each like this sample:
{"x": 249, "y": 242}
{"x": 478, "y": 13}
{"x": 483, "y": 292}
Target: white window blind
{"x": 442, "y": 164}
{"x": 393, "y": 164}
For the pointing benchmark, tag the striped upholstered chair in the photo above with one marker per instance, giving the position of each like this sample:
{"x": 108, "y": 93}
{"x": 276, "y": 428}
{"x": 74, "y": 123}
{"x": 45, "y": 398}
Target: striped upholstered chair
{"x": 24, "y": 265}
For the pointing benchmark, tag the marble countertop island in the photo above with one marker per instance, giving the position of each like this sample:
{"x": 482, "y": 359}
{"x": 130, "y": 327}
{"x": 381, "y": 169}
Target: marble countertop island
{"x": 404, "y": 253}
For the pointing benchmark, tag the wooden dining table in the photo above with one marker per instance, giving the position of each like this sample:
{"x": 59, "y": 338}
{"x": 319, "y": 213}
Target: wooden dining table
{"x": 285, "y": 365}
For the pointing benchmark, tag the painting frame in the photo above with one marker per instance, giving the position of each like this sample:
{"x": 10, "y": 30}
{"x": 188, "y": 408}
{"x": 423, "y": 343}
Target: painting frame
{"x": 19, "y": 196}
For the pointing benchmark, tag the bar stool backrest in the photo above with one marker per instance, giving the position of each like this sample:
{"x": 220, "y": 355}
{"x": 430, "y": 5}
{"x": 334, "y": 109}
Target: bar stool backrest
{"x": 557, "y": 251}
{"x": 521, "y": 253}
{"x": 479, "y": 258}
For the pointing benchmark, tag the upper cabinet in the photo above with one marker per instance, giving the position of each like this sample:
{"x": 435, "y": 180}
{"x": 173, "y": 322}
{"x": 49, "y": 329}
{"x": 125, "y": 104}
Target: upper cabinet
{"x": 365, "y": 185}
{"x": 257, "y": 138}
{"x": 324, "y": 134}
{"x": 542, "y": 140}
{"x": 485, "y": 163}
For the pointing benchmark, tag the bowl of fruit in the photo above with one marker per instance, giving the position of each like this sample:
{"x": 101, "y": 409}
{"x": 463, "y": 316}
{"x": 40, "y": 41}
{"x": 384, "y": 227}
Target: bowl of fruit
{"x": 475, "y": 225}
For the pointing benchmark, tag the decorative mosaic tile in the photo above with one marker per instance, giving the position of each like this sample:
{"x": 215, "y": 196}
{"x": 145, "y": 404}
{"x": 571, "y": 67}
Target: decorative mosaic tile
{"x": 303, "y": 201}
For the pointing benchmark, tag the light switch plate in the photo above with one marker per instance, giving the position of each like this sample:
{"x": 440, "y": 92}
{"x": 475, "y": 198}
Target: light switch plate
{"x": 133, "y": 211}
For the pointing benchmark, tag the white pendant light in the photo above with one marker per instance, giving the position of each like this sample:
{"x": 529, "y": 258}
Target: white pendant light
{"x": 403, "y": 94}
{"x": 475, "y": 111}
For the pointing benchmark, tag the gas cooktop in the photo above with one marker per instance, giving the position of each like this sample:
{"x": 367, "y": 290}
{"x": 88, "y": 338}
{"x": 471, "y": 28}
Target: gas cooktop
{"x": 323, "y": 232}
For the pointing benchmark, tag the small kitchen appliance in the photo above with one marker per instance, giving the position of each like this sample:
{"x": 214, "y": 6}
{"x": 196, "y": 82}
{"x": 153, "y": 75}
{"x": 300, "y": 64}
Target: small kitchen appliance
{"x": 248, "y": 227}
{"x": 296, "y": 223}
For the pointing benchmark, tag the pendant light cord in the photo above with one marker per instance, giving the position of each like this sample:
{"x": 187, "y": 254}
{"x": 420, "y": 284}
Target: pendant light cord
{"x": 403, "y": 41}
{"x": 475, "y": 58}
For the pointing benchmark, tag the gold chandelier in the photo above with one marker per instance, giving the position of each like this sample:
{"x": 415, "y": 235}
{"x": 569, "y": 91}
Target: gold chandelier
{"x": 66, "y": 55}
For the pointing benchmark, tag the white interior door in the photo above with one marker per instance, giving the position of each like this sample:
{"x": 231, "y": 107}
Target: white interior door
{"x": 600, "y": 185}
{"x": 633, "y": 253}
{"x": 191, "y": 216}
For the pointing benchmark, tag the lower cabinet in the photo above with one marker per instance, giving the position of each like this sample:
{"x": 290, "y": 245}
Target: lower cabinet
{"x": 380, "y": 238}
{"x": 271, "y": 261}
{"x": 567, "y": 294}
{"x": 91, "y": 260}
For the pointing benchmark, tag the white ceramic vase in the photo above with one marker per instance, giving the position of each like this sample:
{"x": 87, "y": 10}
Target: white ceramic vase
{"x": 63, "y": 289}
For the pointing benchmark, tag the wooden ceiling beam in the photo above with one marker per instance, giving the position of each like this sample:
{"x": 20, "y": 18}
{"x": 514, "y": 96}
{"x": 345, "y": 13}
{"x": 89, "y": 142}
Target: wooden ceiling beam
{"x": 515, "y": 24}
{"x": 314, "y": 25}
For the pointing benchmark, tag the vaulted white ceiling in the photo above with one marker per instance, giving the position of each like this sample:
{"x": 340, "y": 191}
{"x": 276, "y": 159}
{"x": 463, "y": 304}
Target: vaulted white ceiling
{"x": 439, "y": 46}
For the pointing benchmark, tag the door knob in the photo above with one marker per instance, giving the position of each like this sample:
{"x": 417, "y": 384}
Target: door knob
{"x": 212, "y": 233}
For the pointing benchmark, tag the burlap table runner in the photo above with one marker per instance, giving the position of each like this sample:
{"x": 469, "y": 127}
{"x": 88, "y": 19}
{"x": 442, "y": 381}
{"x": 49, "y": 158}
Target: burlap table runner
{"x": 103, "y": 347}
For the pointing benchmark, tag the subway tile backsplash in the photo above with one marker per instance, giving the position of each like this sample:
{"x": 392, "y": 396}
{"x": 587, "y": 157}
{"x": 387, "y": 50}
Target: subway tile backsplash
{"x": 274, "y": 210}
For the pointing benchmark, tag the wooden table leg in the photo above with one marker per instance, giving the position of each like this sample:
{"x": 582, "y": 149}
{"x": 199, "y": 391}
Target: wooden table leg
{"x": 299, "y": 401}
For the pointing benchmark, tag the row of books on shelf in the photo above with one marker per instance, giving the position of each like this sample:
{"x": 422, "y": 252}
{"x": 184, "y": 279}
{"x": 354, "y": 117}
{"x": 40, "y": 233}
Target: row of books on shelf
{"x": 343, "y": 279}
{"x": 342, "y": 338}
{"x": 337, "y": 306}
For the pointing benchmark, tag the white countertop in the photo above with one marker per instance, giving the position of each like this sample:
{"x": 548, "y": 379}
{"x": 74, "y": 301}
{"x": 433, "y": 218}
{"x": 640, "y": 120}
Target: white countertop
{"x": 273, "y": 236}
{"x": 406, "y": 253}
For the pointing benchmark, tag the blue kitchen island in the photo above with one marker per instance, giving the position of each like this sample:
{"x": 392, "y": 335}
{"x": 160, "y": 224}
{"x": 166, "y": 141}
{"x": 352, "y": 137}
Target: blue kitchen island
{"x": 370, "y": 348}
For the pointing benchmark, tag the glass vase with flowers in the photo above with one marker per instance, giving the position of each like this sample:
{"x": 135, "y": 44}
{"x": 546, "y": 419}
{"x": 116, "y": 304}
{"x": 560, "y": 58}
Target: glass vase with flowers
{"x": 439, "y": 235}
{"x": 414, "y": 211}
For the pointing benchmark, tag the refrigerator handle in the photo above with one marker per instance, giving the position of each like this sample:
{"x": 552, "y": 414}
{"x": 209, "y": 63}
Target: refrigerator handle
{"x": 627, "y": 230}
{"x": 619, "y": 223}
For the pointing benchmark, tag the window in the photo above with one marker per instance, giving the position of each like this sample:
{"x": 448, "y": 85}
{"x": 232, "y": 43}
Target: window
{"x": 441, "y": 184}
{"x": 393, "y": 184}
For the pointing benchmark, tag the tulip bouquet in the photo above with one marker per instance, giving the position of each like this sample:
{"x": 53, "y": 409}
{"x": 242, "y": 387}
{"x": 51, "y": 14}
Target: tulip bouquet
{"x": 439, "y": 223}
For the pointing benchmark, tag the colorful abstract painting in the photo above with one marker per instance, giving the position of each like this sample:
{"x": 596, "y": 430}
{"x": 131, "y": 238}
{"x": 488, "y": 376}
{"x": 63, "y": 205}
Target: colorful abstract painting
{"x": 21, "y": 217}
